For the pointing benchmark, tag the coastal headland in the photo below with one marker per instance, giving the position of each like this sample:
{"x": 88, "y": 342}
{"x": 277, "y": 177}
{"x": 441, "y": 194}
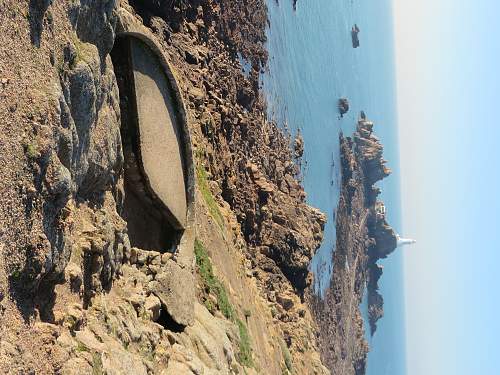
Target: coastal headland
{"x": 363, "y": 238}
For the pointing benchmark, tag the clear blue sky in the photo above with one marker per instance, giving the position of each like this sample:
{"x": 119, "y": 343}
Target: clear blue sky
{"x": 448, "y": 73}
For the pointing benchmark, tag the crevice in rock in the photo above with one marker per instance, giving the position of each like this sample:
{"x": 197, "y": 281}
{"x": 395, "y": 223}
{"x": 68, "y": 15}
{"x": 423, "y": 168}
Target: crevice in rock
{"x": 37, "y": 9}
{"x": 173, "y": 11}
{"x": 167, "y": 322}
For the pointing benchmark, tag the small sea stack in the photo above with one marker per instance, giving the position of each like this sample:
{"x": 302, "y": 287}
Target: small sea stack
{"x": 343, "y": 106}
{"x": 354, "y": 35}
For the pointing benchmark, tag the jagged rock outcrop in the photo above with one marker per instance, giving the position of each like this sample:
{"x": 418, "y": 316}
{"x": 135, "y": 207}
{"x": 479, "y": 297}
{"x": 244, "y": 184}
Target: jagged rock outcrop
{"x": 341, "y": 329}
{"x": 354, "y": 36}
{"x": 298, "y": 146}
{"x": 343, "y": 106}
{"x": 375, "y": 300}
{"x": 170, "y": 287}
{"x": 291, "y": 241}
{"x": 363, "y": 237}
{"x": 385, "y": 241}
{"x": 370, "y": 150}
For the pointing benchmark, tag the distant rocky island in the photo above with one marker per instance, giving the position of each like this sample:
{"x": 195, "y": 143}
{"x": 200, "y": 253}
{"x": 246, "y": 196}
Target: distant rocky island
{"x": 354, "y": 35}
{"x": 363, "y": 238}
{"x": 343, "y": 106}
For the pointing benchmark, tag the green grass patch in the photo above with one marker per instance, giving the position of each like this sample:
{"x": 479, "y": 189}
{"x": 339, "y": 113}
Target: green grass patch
{"x": 97, "y": 364}
{"x": 245, "y": 346}
{"x": 16, "y": 274}
{"x": 83, "y": 51}
{"x": 213, "y": 207}
{"x": 210, "y": 306}
{"x": 287, "y": 357}
{"x": 81, "y": 347}
{"x": 32, "y": 151}
{"x": 211, "y": 283}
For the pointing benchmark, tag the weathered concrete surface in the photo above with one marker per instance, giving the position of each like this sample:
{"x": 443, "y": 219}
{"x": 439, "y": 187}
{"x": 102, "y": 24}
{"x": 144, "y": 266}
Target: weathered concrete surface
{"x": 159, "y": 133}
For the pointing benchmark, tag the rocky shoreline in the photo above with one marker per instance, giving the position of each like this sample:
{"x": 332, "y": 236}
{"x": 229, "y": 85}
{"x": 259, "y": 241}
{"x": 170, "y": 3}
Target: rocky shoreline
{"x": 363, "y": 238}
{"x": 78, "y": 298}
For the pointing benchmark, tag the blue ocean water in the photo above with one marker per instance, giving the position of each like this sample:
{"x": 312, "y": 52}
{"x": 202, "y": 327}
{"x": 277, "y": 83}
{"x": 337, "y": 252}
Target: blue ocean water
{"x": 311, "y": 65}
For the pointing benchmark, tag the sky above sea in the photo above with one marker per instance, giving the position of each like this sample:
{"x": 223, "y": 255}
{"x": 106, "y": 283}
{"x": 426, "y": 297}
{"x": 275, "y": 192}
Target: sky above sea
{"x": 311, "y": 65}
{"x": 447, "y": 55}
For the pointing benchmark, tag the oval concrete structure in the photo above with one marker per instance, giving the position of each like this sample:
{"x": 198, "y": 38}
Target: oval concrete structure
{"x": 129, "y": 27}
{"x": 149, "y": 184}
{"x": 159, "y": 133}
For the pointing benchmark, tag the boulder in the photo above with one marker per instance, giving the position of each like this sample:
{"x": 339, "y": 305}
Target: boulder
{"x": 174, "y": 286}
{"x": 286, "y": 301}
{"x": 153, "y": 307}
{"x": 76, "y": 366}
{"x": 343, "y": 106}
{"x": 298, "y": 146}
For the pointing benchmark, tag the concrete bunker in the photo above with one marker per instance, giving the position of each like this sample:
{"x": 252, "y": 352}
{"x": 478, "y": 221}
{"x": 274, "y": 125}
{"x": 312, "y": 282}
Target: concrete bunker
{"x": 158, "y": 170}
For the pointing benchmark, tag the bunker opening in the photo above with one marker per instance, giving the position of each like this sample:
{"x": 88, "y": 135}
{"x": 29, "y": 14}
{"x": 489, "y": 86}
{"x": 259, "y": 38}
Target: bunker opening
{"x": 155, "y": 179}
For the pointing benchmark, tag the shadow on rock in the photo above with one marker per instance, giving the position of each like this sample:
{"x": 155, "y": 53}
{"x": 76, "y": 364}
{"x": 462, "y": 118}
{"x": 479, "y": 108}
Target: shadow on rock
{"x": 37, "y": 11}
{"x": 27, "y": 300}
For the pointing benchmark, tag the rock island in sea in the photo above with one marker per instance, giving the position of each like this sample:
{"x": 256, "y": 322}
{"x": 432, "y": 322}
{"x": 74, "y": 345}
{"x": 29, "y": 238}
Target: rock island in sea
{"x": 363, "y": 238}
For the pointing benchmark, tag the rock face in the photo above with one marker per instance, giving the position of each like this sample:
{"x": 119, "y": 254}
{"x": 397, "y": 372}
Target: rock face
{"x": 343, "y": 106}
{"x": 385, "y": 239}
{"x": 375, "y": 300}
{"x": 370, "y": 150}
{"x": 363, "y": 237}
{"x": 78, "y": 296}
{"x": 79, "y": 163}
{"x": 290, "y": 239}
{"x": 354, "y": 36}
{"x": 298, "y": 146}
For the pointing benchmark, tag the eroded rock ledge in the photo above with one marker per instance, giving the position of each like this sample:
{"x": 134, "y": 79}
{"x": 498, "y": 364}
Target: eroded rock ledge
{"x": 363, "y": 237}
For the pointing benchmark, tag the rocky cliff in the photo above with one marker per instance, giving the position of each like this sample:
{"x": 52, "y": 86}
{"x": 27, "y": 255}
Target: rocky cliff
{"x": 76, "y": 297}
{"x": 363, "y": 238}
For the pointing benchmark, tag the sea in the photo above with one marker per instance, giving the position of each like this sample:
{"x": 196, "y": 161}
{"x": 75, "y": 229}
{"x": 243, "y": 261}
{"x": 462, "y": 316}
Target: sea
{"x": 312, "y": 64}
